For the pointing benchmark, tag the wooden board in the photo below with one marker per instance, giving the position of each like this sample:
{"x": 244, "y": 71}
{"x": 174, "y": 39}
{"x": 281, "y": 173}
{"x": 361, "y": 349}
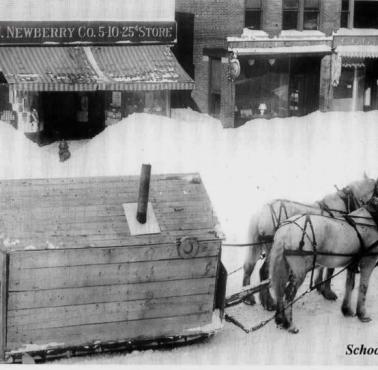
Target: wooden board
{"x": 24, "y": 260}
{"x": 104, "y": 240}
{"x": 98, "y": 313}
{"x": 132, "y": 330}
{"x": 110, "y": 274}
{"x": 113, "y": 293}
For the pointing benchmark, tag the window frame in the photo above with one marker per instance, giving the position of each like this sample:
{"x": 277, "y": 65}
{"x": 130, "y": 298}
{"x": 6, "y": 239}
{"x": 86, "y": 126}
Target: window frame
{"x": 290, "y": 10}
{"x": 258, "y": 9}
{"x": 343, "y": 12}
{"x": 307, "y": 10}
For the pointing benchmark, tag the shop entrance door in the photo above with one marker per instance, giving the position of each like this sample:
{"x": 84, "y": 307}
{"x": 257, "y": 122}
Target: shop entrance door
{"x": 304, "y": 86}
{"x": 71, "y": 115}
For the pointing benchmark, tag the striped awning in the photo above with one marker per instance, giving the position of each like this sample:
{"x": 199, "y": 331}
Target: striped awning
{"x": 357, "y": 51}
{"x": 352, "y": 62}
{"x": 91, "y": 68}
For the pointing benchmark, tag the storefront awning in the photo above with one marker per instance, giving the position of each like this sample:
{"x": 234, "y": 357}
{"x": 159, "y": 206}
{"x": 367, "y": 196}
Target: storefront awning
{"x": 284, "y": 50}
{"x": 357, "y": 51}
{"x": 91, "y": 68}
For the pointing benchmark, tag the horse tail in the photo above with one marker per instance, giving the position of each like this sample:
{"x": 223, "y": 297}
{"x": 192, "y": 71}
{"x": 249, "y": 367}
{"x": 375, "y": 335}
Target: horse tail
{"x": 278, "y": 267}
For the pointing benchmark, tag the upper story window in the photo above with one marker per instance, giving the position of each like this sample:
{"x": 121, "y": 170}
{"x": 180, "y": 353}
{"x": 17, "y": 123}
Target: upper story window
{"x": 365, "y": 14}
{"x": 344, "y": 13}
{"x": 253, "y": 11}
{"x": 311, "y": 15}
{"x": 290, "y": 14}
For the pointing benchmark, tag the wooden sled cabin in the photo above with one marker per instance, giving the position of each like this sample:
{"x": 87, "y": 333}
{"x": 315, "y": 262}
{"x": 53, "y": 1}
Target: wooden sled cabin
{"x": 79, "y": 272}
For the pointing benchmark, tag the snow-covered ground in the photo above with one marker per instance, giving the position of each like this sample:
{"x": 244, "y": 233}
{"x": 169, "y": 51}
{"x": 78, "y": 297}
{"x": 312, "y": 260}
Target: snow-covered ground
{"x": 296, "y": 158}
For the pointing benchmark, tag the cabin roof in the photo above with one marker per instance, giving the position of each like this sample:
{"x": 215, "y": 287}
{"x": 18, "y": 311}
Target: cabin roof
{"x": 89, "y": 212}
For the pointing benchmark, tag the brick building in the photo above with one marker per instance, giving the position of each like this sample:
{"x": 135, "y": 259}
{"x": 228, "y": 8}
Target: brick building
{"x": 279, "y": 58}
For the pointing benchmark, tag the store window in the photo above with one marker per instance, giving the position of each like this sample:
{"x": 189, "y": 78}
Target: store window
{"x": 311, "y": 15}
{"x": 344, "y": 90}
{"x": 215, "y": 86}
{"x": 262, "y": 88}
{"x": 365, "y": 14}
{"x": 290, "y": 14}
{"x": 122, "y": 104}
{"x": 253, "y": 14}
{"x": 344, "y": 18}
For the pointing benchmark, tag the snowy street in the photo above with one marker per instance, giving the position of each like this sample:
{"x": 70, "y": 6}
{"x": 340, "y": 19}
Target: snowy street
{"x": 294, "y": 158}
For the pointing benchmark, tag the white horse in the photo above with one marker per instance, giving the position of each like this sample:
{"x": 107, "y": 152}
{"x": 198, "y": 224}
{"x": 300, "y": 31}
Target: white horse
{"x": 264, "y": 225}
{"x": 337, "y": 243}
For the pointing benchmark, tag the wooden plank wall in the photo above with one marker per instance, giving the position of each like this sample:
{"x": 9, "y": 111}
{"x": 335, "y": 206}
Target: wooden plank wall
{"x": 77, "y": 296}
{"x": 77, "y": 276}
{"x": 74, "y": 213}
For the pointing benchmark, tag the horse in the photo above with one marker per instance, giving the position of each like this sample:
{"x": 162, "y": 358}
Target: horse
{"x": 264, "y": 225}
{"x": 302, "y": 242}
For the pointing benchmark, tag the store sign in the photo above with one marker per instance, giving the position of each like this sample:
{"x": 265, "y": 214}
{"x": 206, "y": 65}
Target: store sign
{"x": 35, "y": 33}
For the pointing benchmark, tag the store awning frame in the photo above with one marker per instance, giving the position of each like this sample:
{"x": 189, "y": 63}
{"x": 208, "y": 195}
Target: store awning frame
{"x": 93, "y": 68}
{"x": 283, "y": 50}
{"x": 357, "y": 51}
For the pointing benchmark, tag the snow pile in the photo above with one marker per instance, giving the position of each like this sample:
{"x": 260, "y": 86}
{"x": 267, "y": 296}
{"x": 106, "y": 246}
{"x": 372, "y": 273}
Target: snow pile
{"x": 297, "y": 158}
{"x": 20, "y": 157}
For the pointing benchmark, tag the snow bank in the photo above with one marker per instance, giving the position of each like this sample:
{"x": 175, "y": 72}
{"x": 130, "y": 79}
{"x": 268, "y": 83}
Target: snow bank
{"x": 298, "y": 158}
{"x": 20, "y": 157}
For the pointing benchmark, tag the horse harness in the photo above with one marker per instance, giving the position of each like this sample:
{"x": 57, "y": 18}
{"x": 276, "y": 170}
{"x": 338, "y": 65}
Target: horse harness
{"x": 345, "y": 194}
{"x": 310, "y": 235}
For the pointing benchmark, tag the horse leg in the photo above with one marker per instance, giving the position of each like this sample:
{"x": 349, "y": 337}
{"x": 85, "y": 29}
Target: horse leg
{"x": 295, "y": 281}
{"x": 349, "y": 286}
{"x": 367, "y": 266}
{"x": 253, "y": 256}
{"x": 265, "y": 297}
{"x": 319, "y": 279}
{"x": 326, "y": 291}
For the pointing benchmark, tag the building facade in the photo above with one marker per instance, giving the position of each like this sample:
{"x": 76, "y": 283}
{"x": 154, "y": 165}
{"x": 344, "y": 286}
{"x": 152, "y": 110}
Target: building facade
{"x": 69, "y": 68}
{"x": 279, "y": 58}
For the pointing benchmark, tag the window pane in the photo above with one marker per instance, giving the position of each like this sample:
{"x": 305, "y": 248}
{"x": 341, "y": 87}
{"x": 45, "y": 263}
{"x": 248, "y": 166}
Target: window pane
{"x": 290, "y": 4}
{"x": 344, "y": 19}
{"x": 310, "y": 20}
{"x": 345, "y": 5}
{"x": 253, "y": 4}
{"x": 290, "y": 20}
{"x": 311, "y": 4}
{"x": 253, "y": 19}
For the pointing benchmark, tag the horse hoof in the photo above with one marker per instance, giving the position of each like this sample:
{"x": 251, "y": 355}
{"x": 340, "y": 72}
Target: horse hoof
{"x": 329, "y": 295}
{"x": 250, "y": 301}
{"x": 268, "y": 302}
{"x": 347, "y": 311}
{"x": 293, "y": 330}
{"x": 364, "y": 318}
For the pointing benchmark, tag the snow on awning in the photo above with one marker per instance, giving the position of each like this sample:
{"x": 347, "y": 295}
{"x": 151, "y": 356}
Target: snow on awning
{"x": 146, "y": 67}
{"x": 91, "y": 68}
{"x": 305, "y": 49}
{"x": 358, "y": 51}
